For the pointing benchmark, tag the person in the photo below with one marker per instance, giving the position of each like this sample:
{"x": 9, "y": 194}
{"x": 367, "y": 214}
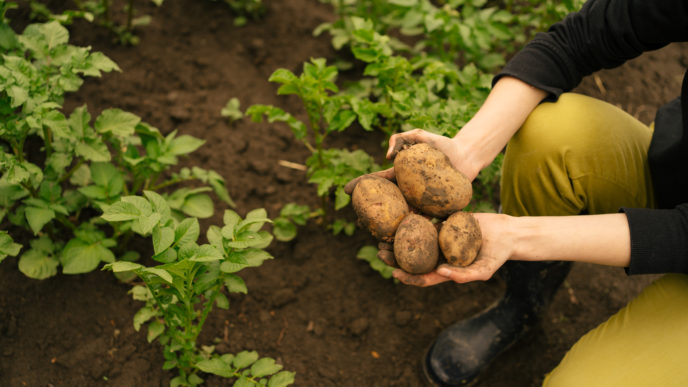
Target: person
{"x": 582, "y": 181}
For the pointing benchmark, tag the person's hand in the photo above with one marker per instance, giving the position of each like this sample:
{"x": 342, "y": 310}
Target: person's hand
{"x": 385, "y": 173}
{"x": 449, "y": 146}
{"x": 496, "y": 249}
{"x": 397, "y": 142}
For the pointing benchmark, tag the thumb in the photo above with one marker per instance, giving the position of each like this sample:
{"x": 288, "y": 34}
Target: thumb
{"x": 385, "y": 174}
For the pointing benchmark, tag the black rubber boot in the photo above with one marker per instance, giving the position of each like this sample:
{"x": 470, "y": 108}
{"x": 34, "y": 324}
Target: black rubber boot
{"x": 465, "y": 348}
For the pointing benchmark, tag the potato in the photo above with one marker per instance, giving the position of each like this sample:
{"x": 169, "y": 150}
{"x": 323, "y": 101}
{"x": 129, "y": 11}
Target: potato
{"x": 429, "y": 182}
{"x": 380, "y": 206}
{"x": 415, "y": 245}
{"x": 460, "y": 239}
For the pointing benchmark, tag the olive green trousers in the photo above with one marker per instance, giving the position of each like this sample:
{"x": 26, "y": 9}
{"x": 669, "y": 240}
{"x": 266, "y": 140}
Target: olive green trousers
{"x": 581, "y": 155}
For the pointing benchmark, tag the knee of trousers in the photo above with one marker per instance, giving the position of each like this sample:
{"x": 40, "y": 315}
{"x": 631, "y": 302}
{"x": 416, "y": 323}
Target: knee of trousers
{"x": 567, "y": 148}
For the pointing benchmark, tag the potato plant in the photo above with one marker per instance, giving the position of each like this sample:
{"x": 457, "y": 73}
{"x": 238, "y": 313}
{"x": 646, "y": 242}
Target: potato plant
{"x": 398, "y": 93}
{"x": 102, "y": 13}
{"x": 60, "y": 171}
{"x": 292, "y": 215}
{"x": 327, "y": 113}
{"x": 191, "y": 278}
{"x": 463, "y": 30}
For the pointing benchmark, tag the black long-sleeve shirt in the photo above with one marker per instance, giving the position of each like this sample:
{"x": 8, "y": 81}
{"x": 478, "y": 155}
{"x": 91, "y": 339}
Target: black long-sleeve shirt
{"x": 604, "y": 34}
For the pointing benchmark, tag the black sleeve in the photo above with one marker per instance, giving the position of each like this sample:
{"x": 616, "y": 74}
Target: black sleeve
{"x": 659, "y": 240}
{"x": 603, "y": 34}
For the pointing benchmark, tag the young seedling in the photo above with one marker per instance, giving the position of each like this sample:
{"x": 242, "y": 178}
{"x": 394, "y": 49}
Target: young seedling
{"x": 190, "y": 280}
{"x": 329, "y": 168}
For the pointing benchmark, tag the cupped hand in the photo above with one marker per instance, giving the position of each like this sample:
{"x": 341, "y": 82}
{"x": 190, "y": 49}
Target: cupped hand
{"x": 496, "y": 248}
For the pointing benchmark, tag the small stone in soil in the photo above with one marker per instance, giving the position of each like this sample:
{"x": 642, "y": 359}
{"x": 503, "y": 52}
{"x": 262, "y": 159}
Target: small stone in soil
{"x": 359, "y": 326}
{"x": 283, "y": 297}
{"x": 402, "y": 317}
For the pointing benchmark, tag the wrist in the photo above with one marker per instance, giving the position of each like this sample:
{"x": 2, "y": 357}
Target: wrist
{"x": 525, "y": 232}
{"x": 467, "y": 159}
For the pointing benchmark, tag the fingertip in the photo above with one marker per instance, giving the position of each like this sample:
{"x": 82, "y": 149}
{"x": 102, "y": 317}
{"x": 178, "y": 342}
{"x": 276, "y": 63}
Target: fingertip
{"x": 384, "y": 246}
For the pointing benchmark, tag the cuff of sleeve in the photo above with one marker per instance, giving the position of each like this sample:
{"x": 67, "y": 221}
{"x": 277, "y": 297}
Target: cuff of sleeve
{"x": 654, "y": 241}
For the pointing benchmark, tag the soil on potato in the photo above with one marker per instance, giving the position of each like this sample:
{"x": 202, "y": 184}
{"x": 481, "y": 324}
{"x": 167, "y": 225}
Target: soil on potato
{"x": 315, "y": 308}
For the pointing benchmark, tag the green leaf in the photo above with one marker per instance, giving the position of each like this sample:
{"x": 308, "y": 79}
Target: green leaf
{"x": 167, "y": 256}
{"x": 342, "y": 120}
{"x": 215, "y": 366}
{"x": 102, "y": 62}
{"x": 341, "y": 198}
{"x": 162, "y": 273}
{"x": 55, "y": 34}
{"x": 18, "y": 95}
{"x": 231, "y": 218}
{"x": 141, "y": 204}
{"x": 199, "y": 206}
{"x": 214, "y": 236}
{"x": 146, "y": 223}
{"x": 159, "y": 205}
{"x": 369, "y": 254}
{"x": 256, "y": 218}
{"x": 79, "y": 256}
{"x": 163, "y": 237}
{"x": 221, "y": 301}
{"x": 81, "y": 176}
{"x": 284, "y": 230}
{"x": 117, "y": 122}
{"x": 57, "y": 122}
{"x": 220, "y": 188}
{"x": 244, "y": 359}
{"x": 282, "y": 76}
{"x": 38, "y": 217}
{"x": 106, "y": 175}
{"x": 207, "y": 253}
{"x": 93, "y": 150}
{"x": 231, "y": 267}
{"x": 7, "y": 246}
{"x": 155, "y": 329}
{"x": 282, "y": 379}
{"x": 232, "y": 110}
{"x": 121, "y": 266}
{"x": 235, "y": 284}
{"x": 144, "y": 314}
{"x": 121, "y": 211}
{"x": 94, "y": 192}
{"x": 264, "y": 367}
{"x": 244, "y": 240}
{"x": 187, "y": 231}
{"x": 37, "y": 264}
{"x": 184, "y": 144}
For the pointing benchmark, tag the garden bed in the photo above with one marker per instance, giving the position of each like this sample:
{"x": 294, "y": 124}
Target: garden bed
{"x": 315, "y": 308}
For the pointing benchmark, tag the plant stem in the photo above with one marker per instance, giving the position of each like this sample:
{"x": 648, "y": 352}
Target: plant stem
{"x": 69, "y": 173}
{"x": 106, "y": 11}
{"x": 130, "y": 14}
{"x": 65, "y": 222}
{"x": 207, "y": 308}
{"x": 48, "y": 138}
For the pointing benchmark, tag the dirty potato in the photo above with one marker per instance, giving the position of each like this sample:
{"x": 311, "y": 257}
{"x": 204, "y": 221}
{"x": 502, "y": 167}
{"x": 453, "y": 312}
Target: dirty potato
{"x": 460, "y": 239}
{"x": 429, "y": 182}
{"x": 415, "y": 245}
{"x": 380, "y": 206}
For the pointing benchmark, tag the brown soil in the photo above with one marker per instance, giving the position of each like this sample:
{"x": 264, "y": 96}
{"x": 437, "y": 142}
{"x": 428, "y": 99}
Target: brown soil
{"x": 315, "y": 308}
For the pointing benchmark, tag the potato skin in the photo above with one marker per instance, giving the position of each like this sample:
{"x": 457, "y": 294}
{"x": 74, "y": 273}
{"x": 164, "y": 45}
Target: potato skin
{"x": 429, "y": 182}
{"x": 380, "y": 206}
{"x": 460, "y": 239}
{"x": 415, "y": 245}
